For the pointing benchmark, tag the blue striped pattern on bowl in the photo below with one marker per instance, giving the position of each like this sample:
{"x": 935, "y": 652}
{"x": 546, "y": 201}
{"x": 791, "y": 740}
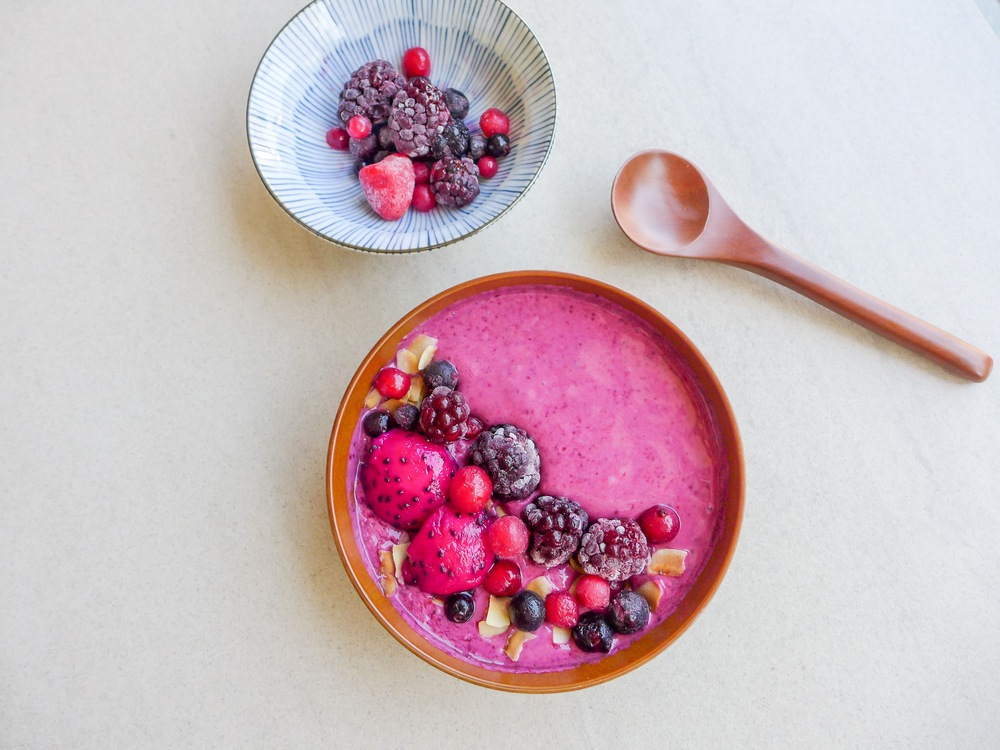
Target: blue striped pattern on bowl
{"x": 480, "y": 47}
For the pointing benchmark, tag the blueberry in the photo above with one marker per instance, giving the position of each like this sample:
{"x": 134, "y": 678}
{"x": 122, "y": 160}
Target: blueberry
{"x": 460, "y": 607}
{"x": 628, "y": 613}
{"x": 477, "y": 147}
{"x": 440, "y": 373}
{"x": 527, "y": 610}
{"x": 593, "y": 633}
{"x": 359, "y": 165}
{"x": 375, "y": 423}
{"x": 406, "y": 416}
{"x": 499, "y": 145}
{"x": 457, "y": 103}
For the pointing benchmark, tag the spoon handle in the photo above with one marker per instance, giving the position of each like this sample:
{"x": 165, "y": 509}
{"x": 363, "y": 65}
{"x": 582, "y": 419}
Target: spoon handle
{"x": 878, "y": 316}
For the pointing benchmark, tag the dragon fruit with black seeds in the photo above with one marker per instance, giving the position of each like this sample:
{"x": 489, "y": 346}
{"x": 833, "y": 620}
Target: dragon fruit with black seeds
{"x": 449, "y": 553}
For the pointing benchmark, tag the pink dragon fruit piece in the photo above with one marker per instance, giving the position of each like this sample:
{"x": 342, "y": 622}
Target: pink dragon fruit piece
{"x": 405, "y": 478}
{"x": 448, "y": 554}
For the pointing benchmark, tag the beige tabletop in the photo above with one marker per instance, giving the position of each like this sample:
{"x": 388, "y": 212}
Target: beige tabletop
{"x": 174, "y": 348}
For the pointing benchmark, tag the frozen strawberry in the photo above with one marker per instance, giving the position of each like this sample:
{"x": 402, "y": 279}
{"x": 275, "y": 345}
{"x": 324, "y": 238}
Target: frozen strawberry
{"x": 388, "y": 186}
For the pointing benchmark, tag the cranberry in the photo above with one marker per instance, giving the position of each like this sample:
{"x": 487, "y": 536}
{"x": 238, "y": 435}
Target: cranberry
{"x": 423, "y": 198}
{"x": 416, "y": 62}
{"x": 494, "y": 121}
{"x": 421, "y": 173}
{"x": 504, "y": 579}
{"x": 337, "y": 139}
{"x": 470, "y": 489}
{"x": 392, "y": 383}
{"x": 561, "y": 609}
{"x": 508, "y": 536}
{"x": 593, "y": 592}
{"x": 488, "y": 167}
{"x": 359, "y": 127}
{"x": 660, "y": 523}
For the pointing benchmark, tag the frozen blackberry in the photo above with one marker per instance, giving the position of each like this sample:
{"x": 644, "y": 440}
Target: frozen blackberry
{"x": 593, "y": 633}
{"x": 511, "y": 459}
{"x": 498, "y": 146}
{"x": 443, "y": 415}
{"x": 418, "y": 113}
{"x": 556, "y": 525}
{"x": 477, "y": 147}
{"x": 453, "y": 141}
{"x": 614, "y": 549}
{"x": 628, "y": 612}
{"x": 440, "y": 373}
{"x": 406, "y": 416}
{"x": 364, "y": 149}
{"x": 369, "y": 92}
{"x": 457, "y": 103}
{"x": 455, "y": 181}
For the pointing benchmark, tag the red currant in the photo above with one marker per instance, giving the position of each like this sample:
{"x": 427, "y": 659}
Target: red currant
{"x": 470, "y": 489}
{"x": 493, "y": 121}
{"x": 504, "y": 579}
{"x": 660, "y": 523}
{"x": 416, "y": 62}
{"x": 421, "y": 172}
{"x": 561, "y": 609}
{"x": 337, "y": 139}
{"x": 488, "y": 167}
{"x": 359, "y": 127}
{"x": 423, "y": 198}
{"x": 593, "y": 592}
{"x": 508, "y": 536}
{"x": 392, "y": 383}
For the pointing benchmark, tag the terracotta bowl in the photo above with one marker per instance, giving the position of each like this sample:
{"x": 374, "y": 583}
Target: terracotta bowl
{"x": 656, "y": 638}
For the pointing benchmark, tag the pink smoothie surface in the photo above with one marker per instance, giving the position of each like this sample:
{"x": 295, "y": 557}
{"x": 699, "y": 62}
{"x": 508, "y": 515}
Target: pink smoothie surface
{"x": 620, "y": 424}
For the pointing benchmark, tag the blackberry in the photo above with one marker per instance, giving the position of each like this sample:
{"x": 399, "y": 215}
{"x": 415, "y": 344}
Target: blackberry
{"x": 460, "y": 607}
{"x": 477, "y": 147}
{"x": 418, "y": 113}
{"x": 498, "y": 145}
{"x": 375, "y": 423}
{"x": 440, "y": 373}
{"x": 369, "y": 92}
{"x": 556, "y": 525}
{"x": 511, "y": 459}
{"x": 455, "y": 181}
{"x": 527, "y": 611}
{"x": 443, "y": 415}
{"x": 363, "y": 149}
{"x": 614, "y": 549}
{"x": 453, "y": 141}
{"x": 628, "y": 613}
{"x": 457, "y": 103}
{"x": 406, "y": 416}
{"x": 593, "y": 633}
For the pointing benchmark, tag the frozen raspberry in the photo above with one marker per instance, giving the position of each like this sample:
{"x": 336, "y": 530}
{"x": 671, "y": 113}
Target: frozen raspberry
{"x": 613, "y": 548}
{"x": 493, "y": 121}
{"x": 593, "y": 592}
{"x": 457, "y": 103}
{"x": 363, "y": 149}
{"x": 593, "y": 633}
{"x": 388, "y": 186}
{"x": 660, "y": 523}
{"x": 359, "y": 127}
{"x": 440, "y": 373}
{"x": 628, "y": 613}
{"x": 369, "y": 92}
{"x": 470, "y": 489}
{"x": 443, "y": 415}
{"x": 337, "y": 139}
{"x": 423, "y": 198}
{"x": 561, "y": 609}
{"x": 475, "y": 427}
{"x": 453, "y": 141}
{"x": 392, "y": 383}
{"x": 421, "y": 173}
{"x": 508, "y": 537}
{"x": 511, "y": 459}
{"x": 418, "y": 114}
{"x": 416, "y": 62}
{"x": 487, "y": 167}
{"x": 503, "y": 579}
{"x": 455, "y": 181}
{"x": 498, "y": 146}
{"x": 556, "y": 525}
{"x": 477, "y": 147}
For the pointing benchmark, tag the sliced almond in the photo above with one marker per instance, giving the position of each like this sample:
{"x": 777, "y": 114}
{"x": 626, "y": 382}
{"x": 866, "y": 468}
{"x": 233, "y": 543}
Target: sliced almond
{"x": 387, "y": 568}
{"x": 398, "y": 555}
{"x": 371, "y": 400}
{"x": 541, "y": 586}
{"x": 488, "y": 631}
{"x": 426, "y": 356}
{"x": 516, "y": 642}
{"x": 420, "y": 343}
{"x": 417, "y": 391}
{"x": 575, "y": 565}
{"x": 406, "y": 361}
{"x": 560, "y": 635}
{"x": 500, "y": 511}
{"x": 667, "y": 562}
{"x": 652, "y": 593}
{"x": 497, "y": 614}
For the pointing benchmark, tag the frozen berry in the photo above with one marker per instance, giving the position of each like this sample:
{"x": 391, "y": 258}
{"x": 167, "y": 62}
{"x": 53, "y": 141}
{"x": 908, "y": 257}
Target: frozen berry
{"x": 477, "y": 147}
{"x": 421, "y": 173}
{"x": 487, "y": 167}
{"x": 660, "y": 523}
{"x": 455, "y": 181}
{"x": 511, "y": 459}
{"x": 392, "y": 383}
{"x": 613, "y": 548}
{"x": 423, "y": 198}
{"x": 359, "y": 127}
{"x": 457, "y": 103}
{"x": 379, "y": 156}
{"x": 375, "y": 423}
{"x": 406, "y": 416}
{"x": 418, "y": 114}
{"x": 494, "y": 121}
{"x": 416, "y": 62}
{"x": 337, "y": 139}
{"x": 443, "y": 415}
{"x": 369, "y": 92}
{"x": 527, "y": 611}
{"x": 460, "y": 607}
{"x": 388, "y": 186}
{"x": 470, "y": 489}
{"x": 475, "y": 426}
{"x": 358, "y": 166}
{"x": 440, "y": 373}
{"x": 384, "y": 137}
{"x": 365, "y": 148}
{"x": 593, "y": 592}
{"x": 504, "y": 579}
{"x": 628, "y": 612}
{"x": 452, "y": 141}
{"x": 508, "y": 536}
{"x": 556, "y": 524}
{"x": 498, "y": 146}
{"x": 593, "y": 633}
{"x": 561, "y": 609}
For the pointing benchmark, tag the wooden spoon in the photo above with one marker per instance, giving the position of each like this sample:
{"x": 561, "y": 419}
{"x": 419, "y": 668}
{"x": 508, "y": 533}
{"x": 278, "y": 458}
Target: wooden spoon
{"x": 667, "y": 206}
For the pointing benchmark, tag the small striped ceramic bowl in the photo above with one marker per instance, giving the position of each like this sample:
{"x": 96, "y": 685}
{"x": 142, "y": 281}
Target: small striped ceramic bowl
{"x": 480, "y": 47}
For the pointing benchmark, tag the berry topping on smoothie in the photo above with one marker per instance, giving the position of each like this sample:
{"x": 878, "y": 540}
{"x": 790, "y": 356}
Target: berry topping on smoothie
{"x": 614, "y": 548}
{"x": 443, "y": 415}
{"x": 593, "y": 633}
{"x": 470, "y": 489}
{"x": 510, "y": 458}
{"x": 460, "y": 607}
{"x": 628, "y": 612}
{"x": 441, "y": 374}
{"x": 660, "y": 524}
{"x": 504, "y": 579}
{"x": 508, "y": 537}
{"x": 556, "y": 525}
{"x": 527, "y": 611}
{"x": 561, "y": 609}
{"x": 593, "y": 592}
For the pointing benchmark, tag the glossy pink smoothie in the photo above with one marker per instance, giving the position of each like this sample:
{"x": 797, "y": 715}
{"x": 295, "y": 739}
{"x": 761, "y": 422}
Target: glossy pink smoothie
{"x": 619, "y": 423}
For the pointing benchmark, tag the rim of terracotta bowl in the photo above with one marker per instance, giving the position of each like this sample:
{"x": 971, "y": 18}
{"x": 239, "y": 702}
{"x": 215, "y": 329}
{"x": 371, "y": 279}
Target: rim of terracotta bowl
{"x": 584, "y": 675}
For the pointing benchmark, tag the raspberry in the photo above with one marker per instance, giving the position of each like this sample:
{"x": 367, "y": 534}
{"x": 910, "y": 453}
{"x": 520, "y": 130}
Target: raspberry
{"x": 392, "y": 383}
{"x": 359, "y": 127}
{"x": 457, "y": 103}
{"x": 556, "y": 525}
{"x": 561, "y": 609}
{"x": 593, "y": 633}
{"x": 453, "y": 141}
{"x": 421, "y": 173}
{"x": 487, "y": 167}
{"x": 511, "y": 459}
{"x": 503, "y": 579}
{"x": 593, "y": 592}
{"x": 494, "y": 121}
{"x": 337, "y": 139}
{"x": 443, "y": 415}
{"x": 440, "y": 373}
{"x": 369, "y": 92}
{"x": 388, "y": 187}
{"x": 423, "y": 198}
{"x": 628, "y": 613}
{"x": 416, "y": 62}
{"x": 418, "y": 114}
{"x": 613, "y": 548}
{"x": 470, "y": 489}
{"x": 507, "y": 537}
{"x": 660, "y": 523}
{"x": 455, "y": 181}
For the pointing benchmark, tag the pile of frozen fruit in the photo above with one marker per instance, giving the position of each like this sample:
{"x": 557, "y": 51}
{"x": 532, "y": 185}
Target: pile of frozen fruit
{"x": 410, "y": 140}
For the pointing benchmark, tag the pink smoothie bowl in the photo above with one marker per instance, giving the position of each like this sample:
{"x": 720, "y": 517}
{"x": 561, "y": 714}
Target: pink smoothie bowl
{"x": 340, "y": 497}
